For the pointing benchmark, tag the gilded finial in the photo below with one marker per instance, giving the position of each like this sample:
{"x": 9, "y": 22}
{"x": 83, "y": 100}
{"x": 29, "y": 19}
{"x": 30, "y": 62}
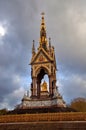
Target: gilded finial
{"x": 49, "y": 40}
{"x": 42, "y": 13}
{"x": 33, "y": 41}
{"x": 43, "y": 23}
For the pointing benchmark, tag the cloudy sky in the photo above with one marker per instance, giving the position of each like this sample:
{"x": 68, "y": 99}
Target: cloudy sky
{"x": 20, "y": 25}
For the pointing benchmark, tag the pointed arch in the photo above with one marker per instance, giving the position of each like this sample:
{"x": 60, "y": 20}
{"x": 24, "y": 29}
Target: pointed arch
{"x": 37, "y": 71}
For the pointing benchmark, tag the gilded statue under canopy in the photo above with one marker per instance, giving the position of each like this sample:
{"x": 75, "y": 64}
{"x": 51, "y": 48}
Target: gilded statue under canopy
{"x": 44, "y": 86}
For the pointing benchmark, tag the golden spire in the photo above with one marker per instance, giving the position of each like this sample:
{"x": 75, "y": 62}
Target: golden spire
{"x": 43, "y": 37}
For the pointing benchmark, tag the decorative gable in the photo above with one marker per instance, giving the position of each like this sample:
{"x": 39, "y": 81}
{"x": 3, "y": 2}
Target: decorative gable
{"x": 41, "y": 56}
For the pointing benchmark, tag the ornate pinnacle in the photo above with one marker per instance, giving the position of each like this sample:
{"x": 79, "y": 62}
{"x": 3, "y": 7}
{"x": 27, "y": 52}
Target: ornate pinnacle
{"x": 33, "y": 48}
{"x": 49, "y": 42}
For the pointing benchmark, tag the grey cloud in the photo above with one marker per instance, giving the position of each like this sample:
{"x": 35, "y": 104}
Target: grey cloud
{"x": 67, "y": 24}
{"x": 15, "y": 51}
{"x": 73, "y": 86}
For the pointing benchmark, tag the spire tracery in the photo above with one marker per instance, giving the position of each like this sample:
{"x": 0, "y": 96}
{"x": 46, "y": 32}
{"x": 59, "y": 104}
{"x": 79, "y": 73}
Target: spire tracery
{"x": 43, "y": 36}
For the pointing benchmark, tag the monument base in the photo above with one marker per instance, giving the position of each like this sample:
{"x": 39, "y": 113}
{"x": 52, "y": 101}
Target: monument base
{"x": 28, "y": 102}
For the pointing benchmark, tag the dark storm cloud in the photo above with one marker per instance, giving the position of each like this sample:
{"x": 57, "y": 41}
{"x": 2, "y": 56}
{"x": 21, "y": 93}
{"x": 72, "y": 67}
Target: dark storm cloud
{"x": 19, "y": 16}
{"x": 68, "y": 32}
{"x": 15, "y": 47}
{"x": 70, "y": 35}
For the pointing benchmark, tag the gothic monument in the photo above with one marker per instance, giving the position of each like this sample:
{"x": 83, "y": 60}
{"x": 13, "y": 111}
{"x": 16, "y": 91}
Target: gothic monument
{"x": 43, "y": 62}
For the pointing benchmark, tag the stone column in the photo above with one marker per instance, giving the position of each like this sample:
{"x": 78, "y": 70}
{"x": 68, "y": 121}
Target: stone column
{"x": 38, "y": 89}
{"x": 34, "y": 86}
{"x": 54, "y": 84}
{"x": 50, "y": 85}
{"x": 31, "y": 89}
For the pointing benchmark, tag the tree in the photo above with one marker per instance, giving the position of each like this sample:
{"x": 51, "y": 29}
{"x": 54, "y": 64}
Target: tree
{"x": 3, "y": 111}
{"x": 79, "y": 104}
